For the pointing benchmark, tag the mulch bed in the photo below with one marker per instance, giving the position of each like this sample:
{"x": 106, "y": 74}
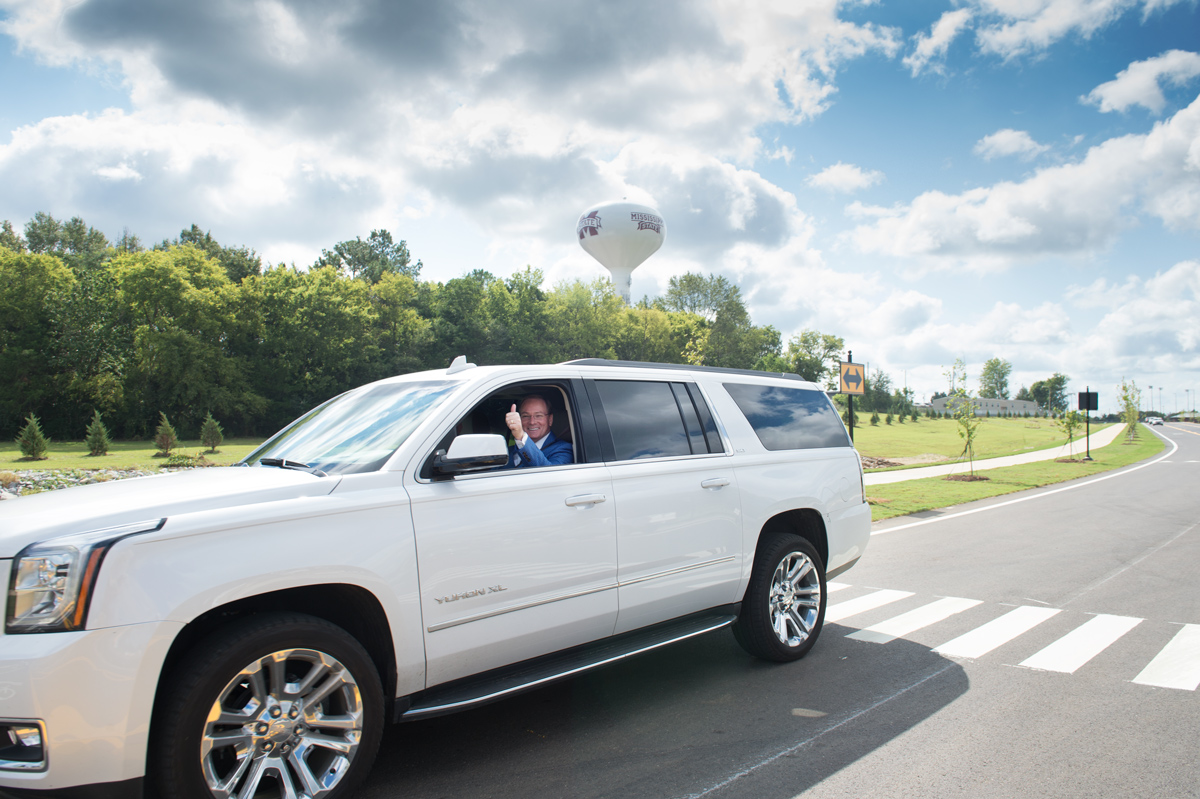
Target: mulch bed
{"x": 967, "y": 478}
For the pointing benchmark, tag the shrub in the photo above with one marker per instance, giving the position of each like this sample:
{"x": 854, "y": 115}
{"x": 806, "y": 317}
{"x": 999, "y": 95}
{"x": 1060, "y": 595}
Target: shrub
{"x": 8, "y": 478}
{"x": 164, "y": 437}
{"x": 211, "y": 434}
{"x": 914, "y": 416}
{"x": 888, "y": 418}
{"x": 32, "y": 440}
{"x": 97, "y": 436}
{"x": 875, "y": 418}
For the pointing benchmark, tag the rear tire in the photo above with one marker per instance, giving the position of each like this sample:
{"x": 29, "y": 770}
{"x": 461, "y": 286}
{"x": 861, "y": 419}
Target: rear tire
{"x": 270, "y": 702}
{"x": 784, "y": 607}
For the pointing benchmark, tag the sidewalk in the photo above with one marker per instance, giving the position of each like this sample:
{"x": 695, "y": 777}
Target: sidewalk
{"x": 1079, "y": 448}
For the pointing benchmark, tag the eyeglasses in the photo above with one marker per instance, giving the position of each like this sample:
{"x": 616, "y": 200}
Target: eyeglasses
{"x": 540, "y": 417}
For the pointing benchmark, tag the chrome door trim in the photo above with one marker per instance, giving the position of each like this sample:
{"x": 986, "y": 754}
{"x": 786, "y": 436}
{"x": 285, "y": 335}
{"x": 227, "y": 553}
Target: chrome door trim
{"x": 501, "y": 611}
{"x": 690, "y": 567}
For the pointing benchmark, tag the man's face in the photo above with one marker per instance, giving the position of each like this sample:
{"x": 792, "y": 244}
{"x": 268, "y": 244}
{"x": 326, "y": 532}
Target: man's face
{"x": 535, "y": 419}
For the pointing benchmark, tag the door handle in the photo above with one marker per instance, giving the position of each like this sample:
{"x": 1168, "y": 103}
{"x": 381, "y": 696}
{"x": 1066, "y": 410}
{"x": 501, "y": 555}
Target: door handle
{"x": 714, "y": 482}
{"x": 585, "y": 499}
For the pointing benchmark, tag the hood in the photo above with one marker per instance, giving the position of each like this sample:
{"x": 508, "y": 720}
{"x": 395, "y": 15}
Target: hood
{"x": 93, "y": 507}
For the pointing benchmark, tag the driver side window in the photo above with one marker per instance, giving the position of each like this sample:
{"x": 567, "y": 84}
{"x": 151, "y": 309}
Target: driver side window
{"x": 546, "y": 417}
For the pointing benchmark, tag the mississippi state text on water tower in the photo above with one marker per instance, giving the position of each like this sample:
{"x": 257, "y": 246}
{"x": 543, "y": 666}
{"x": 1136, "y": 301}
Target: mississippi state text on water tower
{"x": 620, "y": 235}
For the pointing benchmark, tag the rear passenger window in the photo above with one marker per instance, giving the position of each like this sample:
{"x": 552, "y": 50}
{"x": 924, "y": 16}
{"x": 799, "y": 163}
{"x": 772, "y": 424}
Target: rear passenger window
{"x": 789, "y": 418}
{"x": 651, "y": 419}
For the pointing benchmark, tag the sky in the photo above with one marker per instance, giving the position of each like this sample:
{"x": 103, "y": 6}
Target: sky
{"x": 928, "y": 180}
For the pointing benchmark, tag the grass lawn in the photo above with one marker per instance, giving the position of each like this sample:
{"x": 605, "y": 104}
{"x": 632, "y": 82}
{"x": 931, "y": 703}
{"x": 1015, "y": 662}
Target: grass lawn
{"x": 121, "y": 455}
{"x": 913, "y": 496}
{"x": 994, "y": 438}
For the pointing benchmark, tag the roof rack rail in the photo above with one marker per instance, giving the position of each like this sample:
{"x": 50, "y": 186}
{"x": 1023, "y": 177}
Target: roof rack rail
{"x": 683, "y": 367}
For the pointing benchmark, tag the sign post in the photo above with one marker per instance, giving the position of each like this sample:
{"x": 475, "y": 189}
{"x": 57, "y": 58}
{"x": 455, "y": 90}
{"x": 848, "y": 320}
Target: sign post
{"x": 1088, "y": 402}
{"x": 853, "y": 383}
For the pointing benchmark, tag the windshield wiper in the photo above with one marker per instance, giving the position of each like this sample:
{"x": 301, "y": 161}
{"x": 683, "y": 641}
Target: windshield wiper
{"x": 283, "y": 463}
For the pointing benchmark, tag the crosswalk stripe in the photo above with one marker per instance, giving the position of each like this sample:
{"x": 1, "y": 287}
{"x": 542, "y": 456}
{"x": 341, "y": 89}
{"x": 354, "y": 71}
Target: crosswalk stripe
{"x": 914, "y": 620}
{"x": 862, "y": 604}
{"x": 830, "y": 587}
{"x": 996, "y": 632}
{"x": 1178, "y": 664}
{"x": 1081, "y": 644}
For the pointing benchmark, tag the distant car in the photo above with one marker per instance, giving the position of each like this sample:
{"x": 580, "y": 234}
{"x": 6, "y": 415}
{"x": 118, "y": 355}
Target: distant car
{"x": 1154, "y": 420}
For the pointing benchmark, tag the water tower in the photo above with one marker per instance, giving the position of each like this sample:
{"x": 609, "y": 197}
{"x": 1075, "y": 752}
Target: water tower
{"x": 621, "y": 235}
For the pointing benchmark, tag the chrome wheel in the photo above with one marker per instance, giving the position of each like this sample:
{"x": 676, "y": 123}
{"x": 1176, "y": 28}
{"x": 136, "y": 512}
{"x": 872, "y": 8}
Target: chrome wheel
{"x": 795, "y": 599}
{"x": 288, "y": 725}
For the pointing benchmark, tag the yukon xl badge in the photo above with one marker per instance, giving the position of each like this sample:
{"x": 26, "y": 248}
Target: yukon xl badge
{"x": 491, "y": 589}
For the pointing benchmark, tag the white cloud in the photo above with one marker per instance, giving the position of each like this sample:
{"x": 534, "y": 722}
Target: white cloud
{"x": 508, "y": 121}
{"x": 1072, "y": 209}
{"x": 121, "y": 171}
{"x": 929, "y": 50}
{"x": 1139, "y": 83}
{"x": 1025, "y": 26}
{"x": 1009, "y": 142}
{"x": 845, "y": 178}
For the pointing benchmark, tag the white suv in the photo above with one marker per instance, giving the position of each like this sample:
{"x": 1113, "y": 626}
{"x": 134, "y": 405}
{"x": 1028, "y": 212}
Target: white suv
{"x": 248, "y": 631}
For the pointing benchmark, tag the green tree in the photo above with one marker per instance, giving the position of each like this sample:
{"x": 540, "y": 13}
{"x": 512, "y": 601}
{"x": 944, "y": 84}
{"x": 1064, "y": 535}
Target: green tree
{"x": 238, "y": 262}
{"x": 1051, "y": 393}
{"x": 1130, "y": 397}
{"x": 45, "y": 234}
{"x": 96, "y": 438}
{"x": 32, "y": 440}
{"x": 211, "y": 434}
{"x": 815, "y": 356}
{"x": 696, "y": 294}
{"x": 1024, "y": 394}
{"x": 993, "y": 380}
{"x": 1069, "y": 423}
{"x": 31, "y": 286}
{"x": 164, "y": 436}
{"x": 370, "y": 260}
{"x": 9, "y": 238}
{"x": 964, "y": 410}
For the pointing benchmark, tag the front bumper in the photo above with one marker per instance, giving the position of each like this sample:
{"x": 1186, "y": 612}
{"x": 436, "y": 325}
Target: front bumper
{"x": 94, "y": 693}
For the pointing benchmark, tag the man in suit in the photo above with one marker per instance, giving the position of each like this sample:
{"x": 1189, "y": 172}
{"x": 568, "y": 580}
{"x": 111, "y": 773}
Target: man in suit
{"x": 534, "y": 444}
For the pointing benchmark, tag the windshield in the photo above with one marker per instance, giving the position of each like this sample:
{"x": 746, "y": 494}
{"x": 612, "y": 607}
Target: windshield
{"x": 357, "y": 431}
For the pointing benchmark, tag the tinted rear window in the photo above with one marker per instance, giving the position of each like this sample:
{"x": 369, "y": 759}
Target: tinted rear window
{"x": 789, "y": 418}
{"x": 644, "y": 419}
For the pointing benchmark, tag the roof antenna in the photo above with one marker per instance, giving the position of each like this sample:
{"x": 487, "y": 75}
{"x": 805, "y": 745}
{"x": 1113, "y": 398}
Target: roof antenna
{"x": 459, "y": 364}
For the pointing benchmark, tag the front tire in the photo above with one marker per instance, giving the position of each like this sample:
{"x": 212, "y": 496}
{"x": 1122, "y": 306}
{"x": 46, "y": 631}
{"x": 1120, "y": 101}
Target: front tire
{"x": 784, "y": 607}
{"x": 272, "y": 705}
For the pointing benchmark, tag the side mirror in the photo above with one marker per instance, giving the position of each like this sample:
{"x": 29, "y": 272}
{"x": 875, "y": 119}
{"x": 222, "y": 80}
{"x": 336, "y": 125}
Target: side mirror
{"x": 471, "y": 453}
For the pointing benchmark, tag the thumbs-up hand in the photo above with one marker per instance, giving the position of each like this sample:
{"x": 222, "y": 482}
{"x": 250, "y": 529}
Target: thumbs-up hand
{"x": 513, "y": 420}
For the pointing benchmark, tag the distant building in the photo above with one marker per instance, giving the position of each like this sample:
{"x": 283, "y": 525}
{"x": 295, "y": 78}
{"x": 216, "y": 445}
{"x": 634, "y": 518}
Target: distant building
{"x": 985, "y": 406}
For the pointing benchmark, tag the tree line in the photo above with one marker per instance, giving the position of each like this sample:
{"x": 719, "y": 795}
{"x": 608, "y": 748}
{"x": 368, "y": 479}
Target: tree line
{"x": 189, "y": 327}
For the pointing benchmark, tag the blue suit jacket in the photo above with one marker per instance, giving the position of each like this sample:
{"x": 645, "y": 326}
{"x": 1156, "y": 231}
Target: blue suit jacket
{"x": 552, "y": 453}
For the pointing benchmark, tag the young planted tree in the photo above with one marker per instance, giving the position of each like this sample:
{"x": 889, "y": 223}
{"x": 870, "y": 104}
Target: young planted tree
{"x": 964, "y": 411}
{"x": 211, "y": 434}
{"x": 1069, "y": 423}
{"x": 164, "y": 437}
{"x": 97, "y": 439}
{"x": 1131, "y": 407}
{"x": 32, "y": 440}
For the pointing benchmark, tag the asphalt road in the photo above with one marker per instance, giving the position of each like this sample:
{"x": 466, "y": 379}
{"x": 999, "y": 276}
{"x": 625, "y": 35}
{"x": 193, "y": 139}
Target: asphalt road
{"x": 1068, "y": 665}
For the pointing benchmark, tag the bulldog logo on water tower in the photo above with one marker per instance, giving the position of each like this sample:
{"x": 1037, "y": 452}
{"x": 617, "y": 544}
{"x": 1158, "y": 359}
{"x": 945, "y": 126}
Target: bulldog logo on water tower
{"x": 621, "y": 235}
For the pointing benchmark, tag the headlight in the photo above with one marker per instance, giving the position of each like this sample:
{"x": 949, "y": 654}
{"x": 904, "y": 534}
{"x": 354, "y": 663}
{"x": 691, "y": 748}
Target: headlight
{"x": 52, "y": 581}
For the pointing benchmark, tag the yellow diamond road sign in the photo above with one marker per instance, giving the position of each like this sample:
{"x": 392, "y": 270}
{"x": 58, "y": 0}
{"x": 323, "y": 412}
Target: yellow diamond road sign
{"x": 853, "y": 378}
